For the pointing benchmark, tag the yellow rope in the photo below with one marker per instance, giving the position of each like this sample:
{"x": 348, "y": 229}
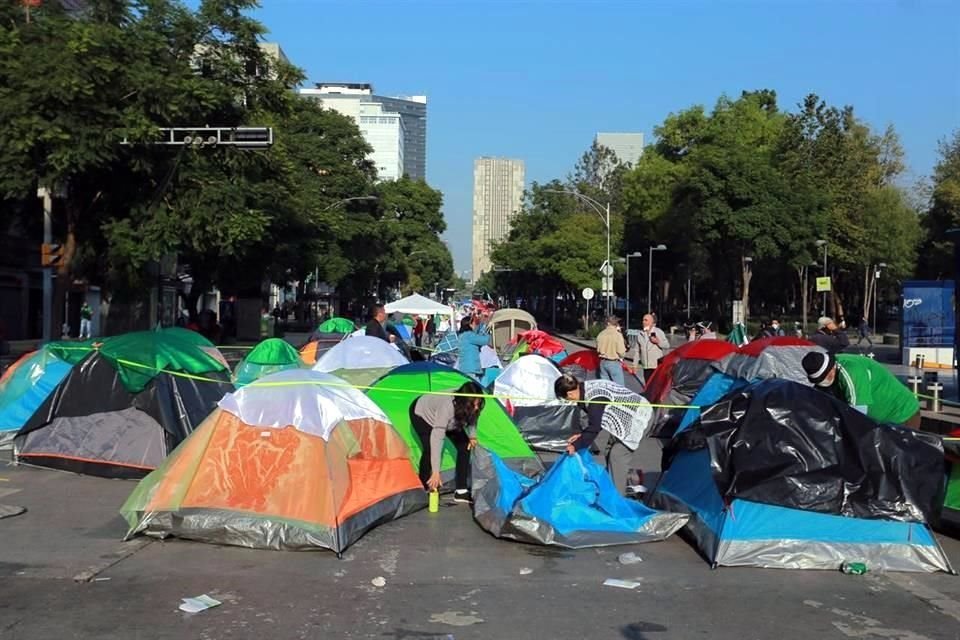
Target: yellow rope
{"x": 295, "y": 383}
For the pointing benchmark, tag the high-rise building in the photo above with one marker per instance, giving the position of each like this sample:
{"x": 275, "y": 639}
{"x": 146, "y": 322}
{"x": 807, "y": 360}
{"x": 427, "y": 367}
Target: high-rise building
{"x": 411, "y": 112}
{"x": 384, "y": 132}
{"x": 628, "y": 147}
{"x": 497, "y": 198}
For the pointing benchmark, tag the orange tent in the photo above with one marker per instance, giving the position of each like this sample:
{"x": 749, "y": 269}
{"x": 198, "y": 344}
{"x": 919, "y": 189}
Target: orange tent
{"x": 296, "y": 460}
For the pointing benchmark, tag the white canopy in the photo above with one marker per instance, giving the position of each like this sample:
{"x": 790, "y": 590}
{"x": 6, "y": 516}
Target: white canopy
{"x": 528, "y": 382}
{"x": 360, "y": 352}
{"x": 418, "y": 305}
{"x": 310, "y": 401}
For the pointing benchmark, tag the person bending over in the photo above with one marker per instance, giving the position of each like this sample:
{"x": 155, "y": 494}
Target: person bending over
{"x": 865, "y": 385}
{"x": 617, "y": 419}
{"x": 454, "y": 417}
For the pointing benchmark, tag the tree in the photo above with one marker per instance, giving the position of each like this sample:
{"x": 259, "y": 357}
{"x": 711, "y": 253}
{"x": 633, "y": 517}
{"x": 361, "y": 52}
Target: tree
{"x": 942, "y": 213}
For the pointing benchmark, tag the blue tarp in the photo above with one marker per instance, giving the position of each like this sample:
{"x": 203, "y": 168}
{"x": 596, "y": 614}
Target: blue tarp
{"x": 574, "y": 504}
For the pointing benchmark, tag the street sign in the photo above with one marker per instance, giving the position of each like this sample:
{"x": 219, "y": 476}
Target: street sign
{"x": 823, "y": 284}
{"x": 606, "y": 268}
{"x": 607, "y": 285}
{"x": 588, "y": 293}
{"x": 51, "y": 255}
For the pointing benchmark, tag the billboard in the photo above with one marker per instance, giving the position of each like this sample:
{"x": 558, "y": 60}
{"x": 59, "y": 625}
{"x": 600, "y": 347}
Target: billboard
{"x": 927, "y": 309}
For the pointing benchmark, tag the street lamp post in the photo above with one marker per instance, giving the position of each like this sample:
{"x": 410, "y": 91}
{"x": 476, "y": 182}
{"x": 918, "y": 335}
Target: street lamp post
{"x": 603, "y": 211}
{"x": 823, "y": 243}
{"x": 659, "y": 247}
{"x": 635, "y": 254}
{"x": 876, "y": 289}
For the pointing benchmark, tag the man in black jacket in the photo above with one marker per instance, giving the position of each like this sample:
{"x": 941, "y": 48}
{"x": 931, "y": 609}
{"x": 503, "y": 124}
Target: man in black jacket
{"x": 831, "y": 337}
{"x": 375, "y": 327}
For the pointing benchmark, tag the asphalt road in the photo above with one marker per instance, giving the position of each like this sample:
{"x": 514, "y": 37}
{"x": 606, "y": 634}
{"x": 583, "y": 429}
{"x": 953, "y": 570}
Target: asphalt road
{"x": 444, "y": 578}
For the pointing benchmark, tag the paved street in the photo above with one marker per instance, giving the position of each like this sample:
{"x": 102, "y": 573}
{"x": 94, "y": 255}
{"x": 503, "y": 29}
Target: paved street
{"x": 445, "y": 577}
{"x": 65, "y": 573}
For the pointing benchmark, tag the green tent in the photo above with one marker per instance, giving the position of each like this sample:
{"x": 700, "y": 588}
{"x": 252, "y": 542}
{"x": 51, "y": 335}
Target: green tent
{"x": 395, "y": 393}
{"x": 70, "y": 351}
{"x": 337, "y": 325}
{"x": 194, "y": 338}
{"x": 270, "y": 356}
{"x": 140, "y": 356}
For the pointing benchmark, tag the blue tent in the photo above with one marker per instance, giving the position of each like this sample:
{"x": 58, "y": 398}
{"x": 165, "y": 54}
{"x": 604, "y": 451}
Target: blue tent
{"x": 740, "y": 532}
{"x": 574, "y": 505}
{"x": 28, "y": 384}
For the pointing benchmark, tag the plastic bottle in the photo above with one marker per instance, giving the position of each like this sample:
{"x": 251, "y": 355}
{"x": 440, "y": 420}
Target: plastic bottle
{"x": 854, "y": 568}
{"x": 434, "y": 501}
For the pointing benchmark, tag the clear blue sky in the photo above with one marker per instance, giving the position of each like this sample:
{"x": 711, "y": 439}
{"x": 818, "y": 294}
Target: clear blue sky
{"x": 536, "y": 79}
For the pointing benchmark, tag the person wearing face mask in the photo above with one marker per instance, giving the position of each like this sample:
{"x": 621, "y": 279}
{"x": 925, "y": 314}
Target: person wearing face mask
{"x": 774, "y": 330}
{"x": 865, "y": 385}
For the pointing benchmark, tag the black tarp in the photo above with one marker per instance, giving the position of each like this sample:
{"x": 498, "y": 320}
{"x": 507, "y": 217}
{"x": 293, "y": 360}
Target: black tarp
{"x": 782, "y": 443}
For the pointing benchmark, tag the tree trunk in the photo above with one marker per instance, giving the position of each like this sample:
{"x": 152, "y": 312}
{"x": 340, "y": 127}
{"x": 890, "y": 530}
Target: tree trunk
{"x": 870, "y": 291}
{"x": 747, "y": 276}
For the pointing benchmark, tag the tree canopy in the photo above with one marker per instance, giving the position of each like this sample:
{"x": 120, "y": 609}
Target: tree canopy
{"x": 83, "y": 98}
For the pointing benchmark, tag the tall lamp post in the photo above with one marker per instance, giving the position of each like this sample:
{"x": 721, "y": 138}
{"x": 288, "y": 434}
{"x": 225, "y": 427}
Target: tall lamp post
{"x": 659, "y": 247}
{"x": 804, "y": 293}
{"x": 603, "y": 211}
{"x": 876, "y": 289}
{"x": 626, "y": 260}
{"x": 823, "y": 243}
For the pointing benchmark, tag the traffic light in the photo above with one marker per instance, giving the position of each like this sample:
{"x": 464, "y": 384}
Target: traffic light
{"x": 51, "y": 255}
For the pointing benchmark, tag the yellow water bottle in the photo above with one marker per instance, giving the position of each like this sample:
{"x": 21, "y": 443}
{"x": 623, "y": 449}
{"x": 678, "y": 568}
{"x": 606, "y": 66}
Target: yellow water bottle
{"x": 434, "y": 501}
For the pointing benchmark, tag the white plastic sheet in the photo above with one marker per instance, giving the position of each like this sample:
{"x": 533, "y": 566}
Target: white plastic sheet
{"x": 311, "y": 401}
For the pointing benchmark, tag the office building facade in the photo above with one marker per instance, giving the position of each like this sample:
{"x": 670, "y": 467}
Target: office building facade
{"x": 413, "y": 113}
{"x": 370, "y": 111}
{"x": 628, "y": 147}
{"x": 497, "y": 198}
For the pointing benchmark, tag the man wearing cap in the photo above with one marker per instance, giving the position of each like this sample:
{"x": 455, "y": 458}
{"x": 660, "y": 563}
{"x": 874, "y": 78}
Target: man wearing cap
{"x": 865, "y": 385}
{"x": 829, "y": 336}
{"x": 611, "y": 348}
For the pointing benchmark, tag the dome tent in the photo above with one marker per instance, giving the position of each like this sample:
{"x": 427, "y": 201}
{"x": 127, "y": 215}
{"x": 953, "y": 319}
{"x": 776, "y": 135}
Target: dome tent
{"x": 302, "y": 463}
{"x": 777, "y": 474}
{"x": 127, "y": 404}
{"x": 396, "y": 392}
{"x": 360, "y": 360}
{"x": 31, "y": 380}
{"x": 337, "y": 325}
{"x": 526, "y": 388}
{"x": 270, "y": 356}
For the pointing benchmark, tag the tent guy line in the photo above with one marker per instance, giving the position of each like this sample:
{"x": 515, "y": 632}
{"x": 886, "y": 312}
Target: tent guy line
{"x": 198, "y": 378}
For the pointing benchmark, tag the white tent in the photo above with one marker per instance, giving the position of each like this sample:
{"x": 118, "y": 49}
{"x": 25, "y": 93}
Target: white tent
{"x": 528, "y": 382}
{"x": 418, "y": 305}
{"x": 361, "y": 352}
